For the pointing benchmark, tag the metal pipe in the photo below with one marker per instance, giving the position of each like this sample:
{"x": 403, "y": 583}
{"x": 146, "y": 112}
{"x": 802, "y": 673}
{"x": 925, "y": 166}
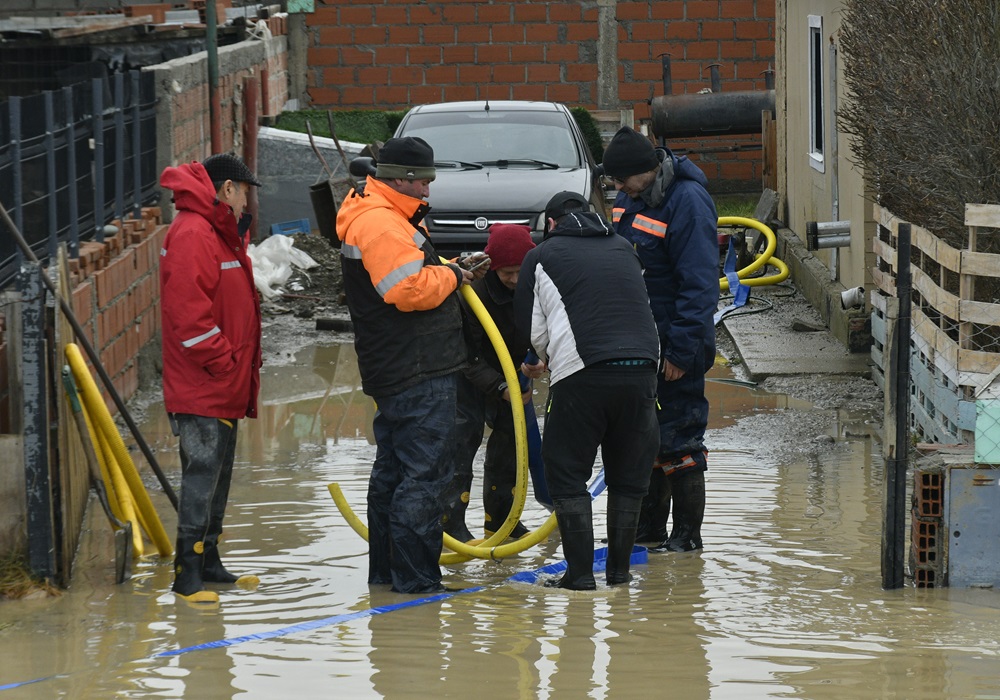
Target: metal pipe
{"x": 250, "y": 95}
{"x": 834, "y": 158}
{"x": 97, "y": 86}
{"x": 827, "y": 234}
{"x": 715, "y": 77}
{"x": 692, "y": 115}
{"x": 668, "y": 86}
{"x": 119, "y": 146}
{"x": 136, "y": 147}
{"x": 214, "y": 101}
{"x": 15, "y": 159}
{"x": 74, "y": 203}
{"x": 50, "y": 175}
{"x": 893, "y": 528}
{"x": 37, "y": 470}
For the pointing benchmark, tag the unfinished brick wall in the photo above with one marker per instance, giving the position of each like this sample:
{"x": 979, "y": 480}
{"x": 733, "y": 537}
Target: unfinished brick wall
{"x": 116, "y": 298}
{"x": 393, "y": 54}
{"x": 183, "y": 114}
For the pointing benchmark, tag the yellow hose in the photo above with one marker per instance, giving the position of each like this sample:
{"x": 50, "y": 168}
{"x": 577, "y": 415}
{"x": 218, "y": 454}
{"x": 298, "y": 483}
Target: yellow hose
{"x": 102, "y": 418}
{"x": 766, "y": 257}
{"x": 491, "y": 548}
{"x": 122, "y": 504}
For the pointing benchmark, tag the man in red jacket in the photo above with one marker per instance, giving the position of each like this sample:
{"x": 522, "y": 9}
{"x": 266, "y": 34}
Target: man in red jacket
{"x": 210, "y": 315}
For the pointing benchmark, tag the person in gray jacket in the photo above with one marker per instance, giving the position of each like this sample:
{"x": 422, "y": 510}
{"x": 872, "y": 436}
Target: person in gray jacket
{"x": 582, "y": 303}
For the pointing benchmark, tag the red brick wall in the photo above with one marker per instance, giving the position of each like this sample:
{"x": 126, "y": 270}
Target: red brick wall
{"x": 189, "y": 116}
{"x": 117, "y": 299}
{"x": 391, "y": 54}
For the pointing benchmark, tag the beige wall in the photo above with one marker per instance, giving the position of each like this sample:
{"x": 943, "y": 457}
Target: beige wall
{"x": 806, "y": 194}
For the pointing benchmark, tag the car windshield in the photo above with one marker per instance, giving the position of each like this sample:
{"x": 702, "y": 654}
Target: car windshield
{"x": 507, "y": 139}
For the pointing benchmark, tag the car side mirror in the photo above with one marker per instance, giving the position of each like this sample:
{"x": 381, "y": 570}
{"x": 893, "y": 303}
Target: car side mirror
{"x": 598, "y": 171}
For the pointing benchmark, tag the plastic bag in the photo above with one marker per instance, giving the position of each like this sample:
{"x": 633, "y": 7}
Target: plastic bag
{"x": 273, "y": 261}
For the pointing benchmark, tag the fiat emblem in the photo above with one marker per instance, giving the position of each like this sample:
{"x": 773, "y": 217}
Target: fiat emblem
{"x": 481, "y": 223}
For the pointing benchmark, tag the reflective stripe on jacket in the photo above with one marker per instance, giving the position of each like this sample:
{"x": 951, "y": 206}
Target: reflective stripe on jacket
{"x": 209, "y": 308}
{"x": 677, "y": 243}
{"x": 406, "y": 316}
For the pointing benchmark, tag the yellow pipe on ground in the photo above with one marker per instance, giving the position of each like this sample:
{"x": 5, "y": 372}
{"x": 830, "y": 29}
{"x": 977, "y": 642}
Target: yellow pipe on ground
{"x": 122, "y": 496}
{"x": 764, "y": 258}
{"x": 102, "y": 418}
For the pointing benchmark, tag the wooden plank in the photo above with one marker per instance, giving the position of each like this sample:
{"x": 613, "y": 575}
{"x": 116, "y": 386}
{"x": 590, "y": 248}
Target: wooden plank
{"x": 986, "y": 215}
{"x": 885, "y": 282}
{"x": 884, "y": 251}
{"x": 974, "y": 361}
{"x": 70, "y": 466}
{"x": 13, "y": 500}
{"x": 945, "y": 302}
{"x": 980, "y": 264}
{"x": 981, "y": 312}
{"x": 886, "y": 219}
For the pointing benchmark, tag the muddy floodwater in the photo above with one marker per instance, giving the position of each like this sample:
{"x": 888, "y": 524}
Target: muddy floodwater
{"x": 784, "y": 601}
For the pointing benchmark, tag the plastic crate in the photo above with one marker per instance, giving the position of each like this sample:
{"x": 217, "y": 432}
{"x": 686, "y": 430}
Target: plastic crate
{"x": 287, "y": 228}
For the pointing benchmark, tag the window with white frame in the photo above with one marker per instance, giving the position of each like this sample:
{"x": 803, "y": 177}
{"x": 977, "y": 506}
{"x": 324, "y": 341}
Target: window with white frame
{"x": 816, "y": 102}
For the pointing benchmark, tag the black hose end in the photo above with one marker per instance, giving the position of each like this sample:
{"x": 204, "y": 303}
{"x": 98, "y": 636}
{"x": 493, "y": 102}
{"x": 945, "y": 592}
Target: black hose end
{"x": 812, "y": 235}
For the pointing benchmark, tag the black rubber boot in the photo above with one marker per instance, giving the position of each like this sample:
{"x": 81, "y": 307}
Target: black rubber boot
{"x": 576, "y": 528}
{"x": 655, "y": 509}
{"x": 188, "y": 563}
{"x": 689, "y": 512}
{"x": 454, "y": 518}
{"x": 623, "y": 515}
{"x": 213, "y": 571}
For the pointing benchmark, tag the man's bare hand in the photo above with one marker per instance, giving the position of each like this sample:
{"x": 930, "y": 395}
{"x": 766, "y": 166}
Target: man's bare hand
{"x": 671, "y": 372}
{"x": 533, "y": 371}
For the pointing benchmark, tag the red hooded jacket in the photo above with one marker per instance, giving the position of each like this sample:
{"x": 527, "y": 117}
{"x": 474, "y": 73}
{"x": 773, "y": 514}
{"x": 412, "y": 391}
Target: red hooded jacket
{"x": 209, "y": 307}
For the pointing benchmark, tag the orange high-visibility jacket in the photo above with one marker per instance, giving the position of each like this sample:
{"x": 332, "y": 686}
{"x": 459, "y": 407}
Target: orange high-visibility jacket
{"x": 406, "y": 315}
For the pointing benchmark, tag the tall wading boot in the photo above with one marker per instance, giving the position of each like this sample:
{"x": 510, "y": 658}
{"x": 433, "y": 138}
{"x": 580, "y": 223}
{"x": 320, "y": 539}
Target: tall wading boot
{"x": 454, "y": 518}
{"x": 576, "y": 528}
{"x": 655, "y": 509}
{"x": 213, "y": 570}
{"x": 188, "y": 563}
{"x": 689, "y": 512}
{"x": 623, "y": 516}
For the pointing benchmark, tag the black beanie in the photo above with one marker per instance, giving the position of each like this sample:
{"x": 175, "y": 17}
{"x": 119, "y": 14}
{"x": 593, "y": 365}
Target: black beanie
{"x": 629, "y": 153}
{"x": 406, "y": 158}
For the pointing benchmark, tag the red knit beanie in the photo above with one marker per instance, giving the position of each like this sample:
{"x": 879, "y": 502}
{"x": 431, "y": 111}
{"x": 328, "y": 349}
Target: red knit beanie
{"x": 508, "y": 244}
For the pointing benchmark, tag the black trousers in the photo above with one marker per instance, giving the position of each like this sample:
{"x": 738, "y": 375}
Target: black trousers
{"x": 208, "y": 447}
{"x": 606, "y": 406}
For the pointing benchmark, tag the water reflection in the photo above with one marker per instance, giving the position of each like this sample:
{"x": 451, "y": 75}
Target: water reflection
{"x": 785, "y": 601}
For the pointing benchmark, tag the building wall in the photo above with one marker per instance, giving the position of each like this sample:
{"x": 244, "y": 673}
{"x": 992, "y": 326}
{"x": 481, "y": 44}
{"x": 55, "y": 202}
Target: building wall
{"x": 807, "y": 193}
{"x": 183, "y": 118}
{"x": 390, "y": 55}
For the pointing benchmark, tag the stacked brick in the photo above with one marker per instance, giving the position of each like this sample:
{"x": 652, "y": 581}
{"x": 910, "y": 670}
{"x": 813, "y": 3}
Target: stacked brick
{"x": 928, "y": 564}
{"x": 116, "y": 293}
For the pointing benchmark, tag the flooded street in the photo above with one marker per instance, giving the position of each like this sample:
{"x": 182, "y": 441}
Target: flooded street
{"x": 784, "y": 602}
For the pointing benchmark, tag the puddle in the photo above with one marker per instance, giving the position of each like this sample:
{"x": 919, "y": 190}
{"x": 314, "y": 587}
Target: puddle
{"x": 785, "y": 601}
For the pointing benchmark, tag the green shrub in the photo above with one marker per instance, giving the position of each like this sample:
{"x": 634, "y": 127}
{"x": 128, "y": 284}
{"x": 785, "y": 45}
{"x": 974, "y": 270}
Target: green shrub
{"x": 591, "y": 133}
{"x": 357, "y": 125}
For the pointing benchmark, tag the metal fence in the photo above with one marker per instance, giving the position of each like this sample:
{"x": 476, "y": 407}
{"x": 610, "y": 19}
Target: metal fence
{"x": 73, "y": 159}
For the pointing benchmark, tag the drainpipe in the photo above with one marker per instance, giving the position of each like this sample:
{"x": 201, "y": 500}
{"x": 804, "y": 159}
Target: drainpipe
{"x": 250, "y": 118}
{"x": 214, "y": 101}
{"x": 834, "y": 160}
